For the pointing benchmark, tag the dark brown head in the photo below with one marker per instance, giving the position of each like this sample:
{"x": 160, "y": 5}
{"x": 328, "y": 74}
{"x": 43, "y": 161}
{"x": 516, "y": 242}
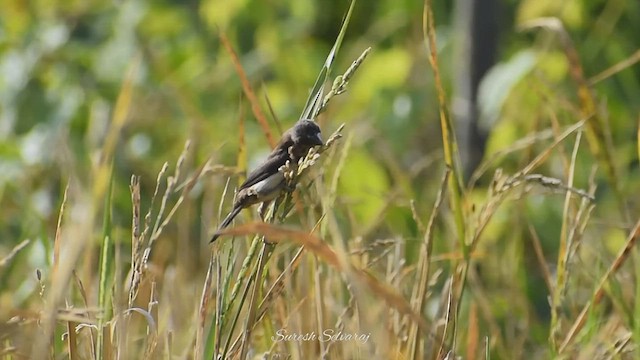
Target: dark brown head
{"x": 306, "y": 133}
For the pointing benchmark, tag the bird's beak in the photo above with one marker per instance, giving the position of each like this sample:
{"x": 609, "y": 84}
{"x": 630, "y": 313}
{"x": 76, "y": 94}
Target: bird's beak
{"x": 318, "y": 140}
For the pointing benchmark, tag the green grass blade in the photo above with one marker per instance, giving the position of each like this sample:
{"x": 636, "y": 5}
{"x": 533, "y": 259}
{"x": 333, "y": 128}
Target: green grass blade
{"x": 106, "y": 266}
{"x": 312, "y": 106}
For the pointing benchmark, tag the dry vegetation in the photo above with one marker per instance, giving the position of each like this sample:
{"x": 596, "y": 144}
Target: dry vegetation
{"x": 279, "y": 287}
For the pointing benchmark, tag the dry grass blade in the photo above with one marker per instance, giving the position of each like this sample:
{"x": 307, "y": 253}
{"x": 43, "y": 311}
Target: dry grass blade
{"x": 599, "y": 292}
{"x": 340, "y": 323}
{"x": 58, "y": 238}
{"x": 473, "y": 338}
{"x": 152, "y": 331}
{"x": 140, "y": 257}
{"x": 520, "y": 144}
{"x": 137, "y": 241}
{"x": 151, "y": 323}
{"x": 420, "y": 292}
{"x": 449, "y": 142}
{"x": 59, "y": 282}
{"x": 622, "y": 65}
{"x": 72, "y": 342}
{"x": 202, "y": 311}
{"x": 256, "y": 277}
{"x": 171, "y": 183}
{"x": 523, "y": 144}
{"x": 248, "y": 90}
{"x": 546, "y": 181}
{"x": 448, "y": 313}
{"x": 83, "y": 294}
{"x": 324, "y": 252}
{"x": 416, "y": 217}
{"x": 563, "y": 252}
{"x": 278, "y": 285}
{"x": 548, "y": 151}
{"x": 274, "y": 116}
{"x": 16, "y": 249}
{"x": 595, "y": 134}
{"x": 77, "y": 316}
{"x": 537, "y": 247}
{"x": 319, "y": 303}
{"x": 147, "y": 218}
{"x": 451, "y": 157}
{"x": 138, "y": 237}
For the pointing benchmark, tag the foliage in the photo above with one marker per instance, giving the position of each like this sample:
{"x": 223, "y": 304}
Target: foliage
{"x": 125, "y": 127}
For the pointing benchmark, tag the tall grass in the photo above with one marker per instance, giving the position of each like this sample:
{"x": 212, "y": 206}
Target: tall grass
{"x": 299, "y": 280}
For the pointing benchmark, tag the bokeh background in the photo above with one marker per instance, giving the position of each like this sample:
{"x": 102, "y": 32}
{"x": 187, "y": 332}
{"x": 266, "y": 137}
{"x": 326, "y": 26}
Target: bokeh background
{"x": 64, "y": 65}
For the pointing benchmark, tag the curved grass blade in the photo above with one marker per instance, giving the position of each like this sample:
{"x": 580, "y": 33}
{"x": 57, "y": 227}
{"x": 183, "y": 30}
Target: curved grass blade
{"x": 314, "y": 102}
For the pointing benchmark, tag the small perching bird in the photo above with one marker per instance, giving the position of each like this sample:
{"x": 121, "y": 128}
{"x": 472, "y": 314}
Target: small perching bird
{"x": 265, "y": 182}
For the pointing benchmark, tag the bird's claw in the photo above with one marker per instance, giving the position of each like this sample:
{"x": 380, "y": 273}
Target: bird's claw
{"x": 262, "y": 210}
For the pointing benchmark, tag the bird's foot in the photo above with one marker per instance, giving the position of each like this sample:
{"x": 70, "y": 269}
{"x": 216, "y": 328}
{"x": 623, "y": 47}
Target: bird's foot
{"x": 262, "y": 209}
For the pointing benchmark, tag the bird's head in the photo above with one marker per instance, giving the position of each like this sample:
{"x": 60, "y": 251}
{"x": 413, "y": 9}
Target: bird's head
{"x": 307, "y": 133}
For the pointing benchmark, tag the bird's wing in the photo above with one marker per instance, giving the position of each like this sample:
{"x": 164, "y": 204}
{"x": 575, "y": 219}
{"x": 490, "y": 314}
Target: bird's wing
{"x": 266, "y": 169}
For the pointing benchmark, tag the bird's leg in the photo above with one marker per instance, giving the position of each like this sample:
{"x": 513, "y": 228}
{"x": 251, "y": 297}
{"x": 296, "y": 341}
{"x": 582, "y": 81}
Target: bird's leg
{"x": 262, "y": 209}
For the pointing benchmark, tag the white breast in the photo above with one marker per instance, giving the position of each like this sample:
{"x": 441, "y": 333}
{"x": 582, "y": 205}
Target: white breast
{"x": 268, "y": 186}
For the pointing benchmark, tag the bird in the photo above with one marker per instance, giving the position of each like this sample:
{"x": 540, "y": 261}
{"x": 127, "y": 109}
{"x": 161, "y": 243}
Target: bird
{"x": 265, "y": 182}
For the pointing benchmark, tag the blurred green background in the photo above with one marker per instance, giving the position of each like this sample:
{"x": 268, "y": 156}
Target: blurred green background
{"x": 63, "y": 64}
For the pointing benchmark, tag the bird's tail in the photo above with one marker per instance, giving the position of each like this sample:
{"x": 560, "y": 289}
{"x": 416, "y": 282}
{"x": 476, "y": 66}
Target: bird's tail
{"x": 226, "y": 222}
